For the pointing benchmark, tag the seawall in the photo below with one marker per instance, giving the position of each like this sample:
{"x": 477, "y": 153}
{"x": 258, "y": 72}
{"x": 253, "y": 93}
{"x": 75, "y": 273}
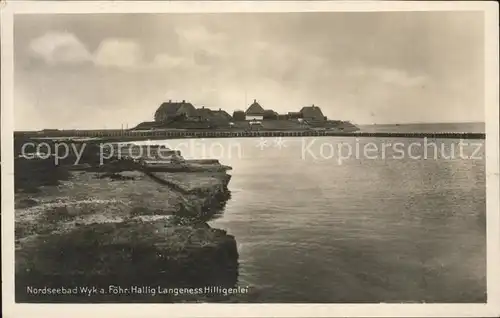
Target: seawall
{"x": 103, "y": 136}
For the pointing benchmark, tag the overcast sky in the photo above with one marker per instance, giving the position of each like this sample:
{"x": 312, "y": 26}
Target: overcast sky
{"x": 102, "y": 71}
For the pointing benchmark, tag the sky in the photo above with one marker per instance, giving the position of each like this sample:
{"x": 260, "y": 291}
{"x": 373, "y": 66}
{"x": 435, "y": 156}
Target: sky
{"x": 96, "y": 71}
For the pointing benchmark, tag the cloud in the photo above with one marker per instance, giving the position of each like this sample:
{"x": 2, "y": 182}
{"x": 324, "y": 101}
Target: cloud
{"x": 400, "y": 77}
{"x": 164, "y": 60}
{"x": 121, "y": 53}
{"x": 57, "y": 48}
{"x": 195, "y": 37}
{"x": 60, "y": 48}
{"x": 391, "y": 76}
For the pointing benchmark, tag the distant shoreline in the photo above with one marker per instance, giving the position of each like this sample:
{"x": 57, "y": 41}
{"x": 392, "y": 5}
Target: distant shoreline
{"x": 131, "y": 135}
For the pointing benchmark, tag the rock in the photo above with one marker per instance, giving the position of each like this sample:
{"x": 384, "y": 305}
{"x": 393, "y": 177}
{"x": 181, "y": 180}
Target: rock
{"x": 127, "y": 254}
{"x": 26, "y": 203}
{"x": 31, "y": 174}
{"x": 115, "y": 176}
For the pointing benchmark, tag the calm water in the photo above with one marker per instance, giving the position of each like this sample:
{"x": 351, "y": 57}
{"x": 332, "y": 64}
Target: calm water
{"x": 379, "y": 229}
{"x": 426, "y": 127}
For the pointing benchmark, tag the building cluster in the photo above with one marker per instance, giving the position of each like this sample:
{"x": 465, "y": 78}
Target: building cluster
{"x": 185, "y": 111}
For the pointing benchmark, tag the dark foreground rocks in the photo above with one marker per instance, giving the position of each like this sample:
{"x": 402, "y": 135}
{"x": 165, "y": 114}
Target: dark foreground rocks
{"x": 123, "y": 236}
{"x": 106, "y": 256}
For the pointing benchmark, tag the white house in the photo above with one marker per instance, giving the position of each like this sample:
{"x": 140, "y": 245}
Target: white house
{"x": 254, "y": 112}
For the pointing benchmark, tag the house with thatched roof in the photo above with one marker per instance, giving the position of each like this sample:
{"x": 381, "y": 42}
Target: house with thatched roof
{"x": 172, "y": 110}
{"x": 219, "y": 116}
{"x": 205, "y": 114}
{"x": 270, "y": 114}
{"x": 294, "y": 115}
{"x": 239, "y": 115}
{"x": 255, "y": 111}
{"x": 312, "y": 113}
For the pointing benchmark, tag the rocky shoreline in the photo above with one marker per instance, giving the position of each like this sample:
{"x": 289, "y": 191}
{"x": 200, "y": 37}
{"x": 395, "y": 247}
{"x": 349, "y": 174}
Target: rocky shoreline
{"x": 98, "y": 234}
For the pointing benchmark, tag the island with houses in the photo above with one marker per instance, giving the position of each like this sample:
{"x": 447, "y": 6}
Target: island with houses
{"x": 185, "y": 115}
{"x": 182, "y": 119}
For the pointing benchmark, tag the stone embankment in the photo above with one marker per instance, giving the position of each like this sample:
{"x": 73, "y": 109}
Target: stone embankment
{"x": 135, "y": 135}
{"x": 98, "y": 227}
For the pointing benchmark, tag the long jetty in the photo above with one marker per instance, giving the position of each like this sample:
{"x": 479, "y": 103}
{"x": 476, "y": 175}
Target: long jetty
{"x": 128, "y": 135}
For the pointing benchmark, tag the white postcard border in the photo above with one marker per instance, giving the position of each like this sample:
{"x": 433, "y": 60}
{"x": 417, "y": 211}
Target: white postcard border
{"x": 491, "y": 309}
